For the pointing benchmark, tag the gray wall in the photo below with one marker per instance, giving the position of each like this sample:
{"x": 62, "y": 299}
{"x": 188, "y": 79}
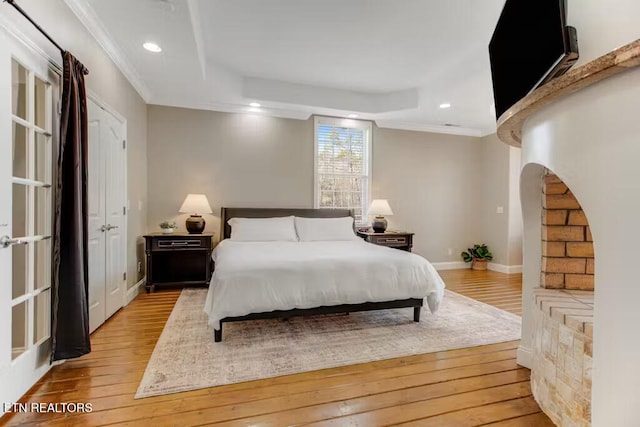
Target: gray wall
{"x": 430, "y": 180}
{"x": 111, "y": 87}
{"x": 502, "y": 232}
{"x": 245, "y": 160}
{"x": 495, "y": 193}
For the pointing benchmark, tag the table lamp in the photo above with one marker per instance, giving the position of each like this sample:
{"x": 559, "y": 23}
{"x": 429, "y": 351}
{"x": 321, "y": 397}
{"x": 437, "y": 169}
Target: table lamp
{"x": 195, "y": 204}
{"x": 379, "y": 208}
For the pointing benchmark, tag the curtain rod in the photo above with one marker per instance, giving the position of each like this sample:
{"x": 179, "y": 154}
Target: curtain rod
{"x": 38, "y": 27}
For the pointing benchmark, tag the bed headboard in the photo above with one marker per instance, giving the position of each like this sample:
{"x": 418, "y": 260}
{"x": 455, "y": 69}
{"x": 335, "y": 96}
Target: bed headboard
{"x": 228, "y": 213}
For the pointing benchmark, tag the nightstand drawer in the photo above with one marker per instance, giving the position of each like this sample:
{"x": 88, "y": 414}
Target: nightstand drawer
{"x": 390, "y": 241}
{"x": 176, "y": 242}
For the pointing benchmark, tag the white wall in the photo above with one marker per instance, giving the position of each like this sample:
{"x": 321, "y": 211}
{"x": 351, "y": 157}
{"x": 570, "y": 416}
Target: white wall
{"x": 603, "y": 25}
{"x": 108, "y": 83}
{"x": 590, "y": 140}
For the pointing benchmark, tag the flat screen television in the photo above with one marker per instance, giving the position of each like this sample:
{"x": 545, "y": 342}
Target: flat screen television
{"x": 531, "y": 45}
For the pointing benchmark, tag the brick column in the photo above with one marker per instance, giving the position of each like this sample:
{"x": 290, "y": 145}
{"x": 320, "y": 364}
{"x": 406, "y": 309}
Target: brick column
{"x": 567, "y": 245}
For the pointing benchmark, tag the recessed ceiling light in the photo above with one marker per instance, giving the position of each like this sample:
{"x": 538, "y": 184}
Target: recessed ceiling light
{"x": 254, "y": 105}
{"x": 445, "y": 105}
{"x": 353, "y": 116}
{"x": 152, "y": 47}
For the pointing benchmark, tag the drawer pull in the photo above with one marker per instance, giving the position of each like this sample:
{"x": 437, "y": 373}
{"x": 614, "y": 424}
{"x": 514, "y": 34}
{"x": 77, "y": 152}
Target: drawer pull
{"x": 175, "y": 244}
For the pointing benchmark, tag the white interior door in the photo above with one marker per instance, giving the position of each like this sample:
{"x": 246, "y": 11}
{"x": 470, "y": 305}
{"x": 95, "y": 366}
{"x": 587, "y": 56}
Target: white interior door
{"x": 115, "y": 213}
{"x": 97, "y": 218}
{"x": 107, "y": 282}
{"x": 26, "y": 164}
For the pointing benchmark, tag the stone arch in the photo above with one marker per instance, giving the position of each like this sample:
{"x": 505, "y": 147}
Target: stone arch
{"x": 558, "y": 284}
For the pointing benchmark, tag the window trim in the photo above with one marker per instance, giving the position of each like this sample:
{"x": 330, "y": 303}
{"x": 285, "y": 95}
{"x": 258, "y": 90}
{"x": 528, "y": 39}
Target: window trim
{"x": 367, "y": 127}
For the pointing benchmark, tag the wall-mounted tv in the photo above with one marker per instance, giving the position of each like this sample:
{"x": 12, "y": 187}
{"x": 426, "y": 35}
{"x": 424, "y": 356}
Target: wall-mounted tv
{"x": 531, "y": 45}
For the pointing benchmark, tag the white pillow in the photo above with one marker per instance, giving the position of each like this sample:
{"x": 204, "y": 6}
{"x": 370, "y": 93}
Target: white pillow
{"x": 263, "y": 229}
{"x": 314, "y": 229}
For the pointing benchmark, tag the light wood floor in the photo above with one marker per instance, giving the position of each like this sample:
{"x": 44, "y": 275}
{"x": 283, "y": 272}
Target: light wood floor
{"x": 467, "y": 387}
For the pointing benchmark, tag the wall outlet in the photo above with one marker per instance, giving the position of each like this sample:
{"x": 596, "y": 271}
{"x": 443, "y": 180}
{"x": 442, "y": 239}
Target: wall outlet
{"x": 139, "y": 266}
{"x": 500, "y": 209}
{"x": 450, "y": 251}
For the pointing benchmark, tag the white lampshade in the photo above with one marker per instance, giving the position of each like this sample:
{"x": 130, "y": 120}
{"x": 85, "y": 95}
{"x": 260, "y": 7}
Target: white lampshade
{"x": 196, "y": 204}
{"x": 380, "y": 207}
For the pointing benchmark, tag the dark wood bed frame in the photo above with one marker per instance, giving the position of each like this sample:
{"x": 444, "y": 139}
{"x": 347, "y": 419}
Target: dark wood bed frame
{"x": 228, "y": 213}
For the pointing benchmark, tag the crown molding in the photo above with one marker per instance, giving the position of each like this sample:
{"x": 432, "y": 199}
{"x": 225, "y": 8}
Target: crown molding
{"x": 88, "y": 18}
{"x": 236, "y": 108}
{"x": 422, "y": 127}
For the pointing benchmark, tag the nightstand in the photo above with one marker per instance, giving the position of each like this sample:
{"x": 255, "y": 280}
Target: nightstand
{"x": 392, "y": 239}
{"x": 178, "y": 259}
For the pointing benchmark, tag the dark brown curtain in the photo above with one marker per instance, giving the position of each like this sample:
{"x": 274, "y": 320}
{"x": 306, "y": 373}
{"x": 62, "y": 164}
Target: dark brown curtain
{"x": 70, "y": 326}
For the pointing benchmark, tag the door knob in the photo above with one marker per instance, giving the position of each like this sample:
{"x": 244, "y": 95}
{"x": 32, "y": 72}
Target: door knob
{"x": 103, "y": 228}
{"x": 111, "y": 227}
{"x": 6, "y": 241}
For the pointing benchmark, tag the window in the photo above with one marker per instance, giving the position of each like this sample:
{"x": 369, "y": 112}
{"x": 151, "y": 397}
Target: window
{"x": 343, "y": 165}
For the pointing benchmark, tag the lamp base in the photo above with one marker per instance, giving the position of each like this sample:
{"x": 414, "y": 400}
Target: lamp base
{"x": 195, "y": 224}
{"x": 379, "y": 224}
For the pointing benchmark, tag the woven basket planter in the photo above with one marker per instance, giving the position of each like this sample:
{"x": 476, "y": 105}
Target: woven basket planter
{"x": 479, "y": 264}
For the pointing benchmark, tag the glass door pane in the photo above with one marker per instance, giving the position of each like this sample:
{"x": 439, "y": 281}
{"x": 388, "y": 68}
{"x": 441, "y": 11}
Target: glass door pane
{"x": 42, "y": 158}
{"x": 19, "y": 151}
{"x": 19, "y": 270}
{"x": 19, "y": 80}
{"x": 40, "y": 103}
{"x": 19, "y": 211}
{"x": 41, "y": 319}
{"x": 42, "y": 265}
{"x": 18, "y": 329}
{"x": 42, "y": 211}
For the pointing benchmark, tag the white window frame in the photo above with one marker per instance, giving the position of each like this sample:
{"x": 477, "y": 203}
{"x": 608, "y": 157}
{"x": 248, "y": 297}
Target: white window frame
{"x": 367, "y": 127}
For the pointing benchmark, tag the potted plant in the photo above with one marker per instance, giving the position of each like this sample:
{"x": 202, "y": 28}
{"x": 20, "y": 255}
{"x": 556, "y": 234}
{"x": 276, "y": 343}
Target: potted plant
{"x": 168, "y": 227}
{"x": 478, "y": 255}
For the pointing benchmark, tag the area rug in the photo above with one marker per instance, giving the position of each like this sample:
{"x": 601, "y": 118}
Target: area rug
{"x": 187, "y": 358}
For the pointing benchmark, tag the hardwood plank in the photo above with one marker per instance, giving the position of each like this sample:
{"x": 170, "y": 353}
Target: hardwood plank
{"x": 480, "y": 415}
{"x": 192, "y": 410}
{"x": 395, "y": 410}
{"x": 534, "y": 420}
{"x": 483, "y": 384}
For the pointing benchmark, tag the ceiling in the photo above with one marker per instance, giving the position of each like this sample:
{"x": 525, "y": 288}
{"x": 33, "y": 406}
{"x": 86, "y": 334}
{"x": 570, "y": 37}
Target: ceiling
{"x": 394, "y": 62}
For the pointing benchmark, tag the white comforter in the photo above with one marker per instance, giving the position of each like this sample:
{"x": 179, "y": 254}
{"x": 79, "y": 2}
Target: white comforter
{"x": 255, "y": 277}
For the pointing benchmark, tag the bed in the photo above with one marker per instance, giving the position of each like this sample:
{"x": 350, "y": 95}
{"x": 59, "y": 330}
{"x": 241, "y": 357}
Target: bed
{"x": 270, "y": 279}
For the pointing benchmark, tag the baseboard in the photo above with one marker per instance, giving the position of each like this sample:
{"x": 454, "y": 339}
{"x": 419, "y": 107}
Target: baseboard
{"x": 133, "y": 291}
{"x": 524, "y": 357}
{"x": 453, "y": 265}
{"x": 501, "y": 268}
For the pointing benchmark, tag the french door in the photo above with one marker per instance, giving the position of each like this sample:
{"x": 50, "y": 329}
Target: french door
{"x": 27, "y": 91}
